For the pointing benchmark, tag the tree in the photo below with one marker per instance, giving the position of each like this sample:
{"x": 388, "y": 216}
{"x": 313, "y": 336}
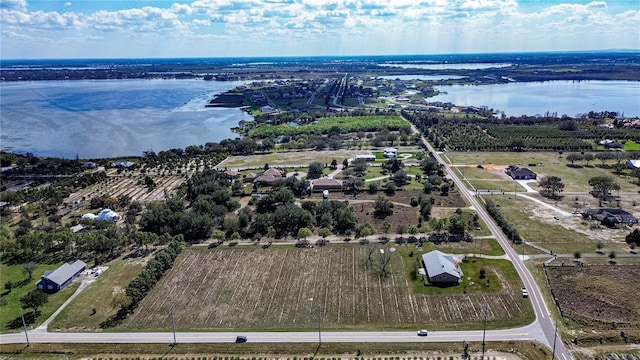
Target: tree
{"x": 385, "y": 227}
{"x": 599, "y": 246}
{"x": 218, "y": 234}
{"x": 29, "y": 268}
{"x": 602, "y": 186}
{"x": 612, "y": 256}
{"x": 34, "y": 299}
{"x": 633, "y": 237}
{"x": 315, "y": 170}
{"x": 383, "y": 207}
{"x": 604, "y": 156}
{"x": 400, "y": 178}
{"x": 304, "y": 233}
{"x": 573, "y": 157}
{"x": 120, "y": 300}
{"x": 323, "y": 232}
{"x": 588, "y": 157}
{"x": 8, "y": 286}
{"x": 577, "y": 255}
{"x": 354, "y": 184}
{"x": 551, "y": 185}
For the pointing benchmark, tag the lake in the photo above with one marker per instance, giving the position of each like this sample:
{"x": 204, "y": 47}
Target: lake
{"x": 109, "y": 118}
{"x": 564, "y": 97}
{"x": 421, "y": 77}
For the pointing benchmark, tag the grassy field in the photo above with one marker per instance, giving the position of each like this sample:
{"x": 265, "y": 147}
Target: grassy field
{"x": 564, "y": 236}
{"x": 79, "y": 315}
{"x": 283, "y": 288}
{"x": 576, "y": 179}
{"x": 21, "y": 286}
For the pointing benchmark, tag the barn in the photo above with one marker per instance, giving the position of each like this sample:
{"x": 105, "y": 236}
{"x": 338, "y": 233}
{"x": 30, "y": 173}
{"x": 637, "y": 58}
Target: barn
{"x": 441, "y": 267}
{"x": 58, "y": 279}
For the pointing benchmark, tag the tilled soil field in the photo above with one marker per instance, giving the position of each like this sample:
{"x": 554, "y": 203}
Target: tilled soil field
{"x": 288, "y": 288}
{"x": 596, "y": 296}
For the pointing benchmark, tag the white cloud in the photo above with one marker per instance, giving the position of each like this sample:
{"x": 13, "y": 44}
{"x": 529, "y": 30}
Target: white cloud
{"x": 67, "y": 4}
{"x": 20, "y": 5}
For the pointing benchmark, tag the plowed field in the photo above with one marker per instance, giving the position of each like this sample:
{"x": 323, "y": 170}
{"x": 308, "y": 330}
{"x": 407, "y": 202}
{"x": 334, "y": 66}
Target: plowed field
{"x": 287, "y": 288}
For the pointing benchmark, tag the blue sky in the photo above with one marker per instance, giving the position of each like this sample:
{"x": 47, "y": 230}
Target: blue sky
{"x": 42, "y": 29}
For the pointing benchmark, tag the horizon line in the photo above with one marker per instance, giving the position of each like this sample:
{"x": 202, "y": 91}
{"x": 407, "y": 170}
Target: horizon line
{"x": 336, "y": 56}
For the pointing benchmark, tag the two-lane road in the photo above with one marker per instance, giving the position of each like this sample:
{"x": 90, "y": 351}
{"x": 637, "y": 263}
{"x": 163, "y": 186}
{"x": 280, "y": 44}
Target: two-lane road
{"x": 543, "y": 319}
{"x": 530, "y": 332}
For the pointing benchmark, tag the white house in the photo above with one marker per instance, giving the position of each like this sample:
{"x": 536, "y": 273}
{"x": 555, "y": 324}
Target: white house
{"x": 390, "y": 153}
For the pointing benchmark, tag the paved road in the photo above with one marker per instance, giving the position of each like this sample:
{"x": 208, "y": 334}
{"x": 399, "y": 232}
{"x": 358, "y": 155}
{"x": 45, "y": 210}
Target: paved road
{"x": 543, "y": 319}
{"x": 530, "y": 332}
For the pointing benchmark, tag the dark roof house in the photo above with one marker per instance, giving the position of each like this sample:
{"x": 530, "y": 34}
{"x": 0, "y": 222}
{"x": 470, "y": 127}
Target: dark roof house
{"x": 615, "y": 216}
{"x": 58, "y": 279}
{"x": 518, "y": 173}
{"x": 441, "y": 267}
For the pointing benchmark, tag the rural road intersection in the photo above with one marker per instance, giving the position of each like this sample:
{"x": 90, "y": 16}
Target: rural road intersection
{"x": 542, "y": 330}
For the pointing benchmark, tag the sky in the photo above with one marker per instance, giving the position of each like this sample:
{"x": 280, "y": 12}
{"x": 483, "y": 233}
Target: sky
{"x": 52, "y": 29}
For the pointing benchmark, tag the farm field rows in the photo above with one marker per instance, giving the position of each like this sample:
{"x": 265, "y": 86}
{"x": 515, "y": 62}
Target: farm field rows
{"x": 123, "y": 185}
{"x": 288, "y": 288}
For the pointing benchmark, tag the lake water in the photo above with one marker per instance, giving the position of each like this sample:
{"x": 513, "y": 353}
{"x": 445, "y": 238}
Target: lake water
{"x": 564, "y": 97}
{"x": 422, "y": 77}
{"x": 109, "y": 118}
{"x": 455, "y": 66}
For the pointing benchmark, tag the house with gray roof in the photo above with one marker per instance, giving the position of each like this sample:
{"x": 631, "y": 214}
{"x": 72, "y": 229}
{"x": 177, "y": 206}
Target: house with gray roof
{"x": 613, "y": 215}
{"x": 58, "y": 279}
{"x": 441, "y": 267}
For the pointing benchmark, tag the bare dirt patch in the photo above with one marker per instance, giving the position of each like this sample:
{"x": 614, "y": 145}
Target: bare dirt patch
{"x": 596, "y": 296}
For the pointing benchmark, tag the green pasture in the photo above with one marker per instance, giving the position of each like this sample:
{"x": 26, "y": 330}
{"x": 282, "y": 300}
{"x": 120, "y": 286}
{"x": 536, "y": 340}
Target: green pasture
{"x": 21, "y": 286}
{"x": 575, "y": 179}
{"x": 79, "y": 313}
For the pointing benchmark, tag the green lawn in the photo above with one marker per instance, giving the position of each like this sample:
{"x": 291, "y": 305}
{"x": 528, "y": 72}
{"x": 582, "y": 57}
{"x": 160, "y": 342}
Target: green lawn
{"x": 631, "y": 145}
{"x": 79, "y": 314}
{"x": 21, "y": 286}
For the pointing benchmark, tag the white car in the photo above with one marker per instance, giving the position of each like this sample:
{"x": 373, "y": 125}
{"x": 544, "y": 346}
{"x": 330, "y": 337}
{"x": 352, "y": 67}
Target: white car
{"x": 422, "y": 333}
{"x": 525, "y": 293}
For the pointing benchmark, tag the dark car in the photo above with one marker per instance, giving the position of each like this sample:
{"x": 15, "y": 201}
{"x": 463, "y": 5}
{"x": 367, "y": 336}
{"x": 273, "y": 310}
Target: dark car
{"x": 241, "y": 339}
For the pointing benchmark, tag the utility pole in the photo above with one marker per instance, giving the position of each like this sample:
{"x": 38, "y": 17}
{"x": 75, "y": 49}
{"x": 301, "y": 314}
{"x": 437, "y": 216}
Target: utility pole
{"x": 24, "y": 324}
{"x": 319, "y": 324}
{"x": 484, "y": 331}
{"x": 173, "y": 327}
{"x": 555, "y": 336}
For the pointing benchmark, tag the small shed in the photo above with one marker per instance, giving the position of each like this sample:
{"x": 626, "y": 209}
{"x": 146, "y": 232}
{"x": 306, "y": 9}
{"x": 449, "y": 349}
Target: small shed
{"x": 58, "y": 279}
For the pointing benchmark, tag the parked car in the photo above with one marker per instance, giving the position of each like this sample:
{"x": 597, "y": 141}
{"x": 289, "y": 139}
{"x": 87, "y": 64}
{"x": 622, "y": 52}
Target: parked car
{"x": 241, "y": 339}
{"x": 525, "y": 293}
{"x": 422, "y": 333}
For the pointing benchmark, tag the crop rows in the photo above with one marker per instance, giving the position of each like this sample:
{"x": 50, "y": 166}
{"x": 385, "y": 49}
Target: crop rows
{"x": 286, "y": 289}
{"x": 123, "y": 185}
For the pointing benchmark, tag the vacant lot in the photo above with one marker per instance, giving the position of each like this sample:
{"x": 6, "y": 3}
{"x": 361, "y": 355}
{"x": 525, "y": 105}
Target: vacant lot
{"x": 288, "y": 288}
{"x": 576, "y": 179}
{"x": 595, "y": 296}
